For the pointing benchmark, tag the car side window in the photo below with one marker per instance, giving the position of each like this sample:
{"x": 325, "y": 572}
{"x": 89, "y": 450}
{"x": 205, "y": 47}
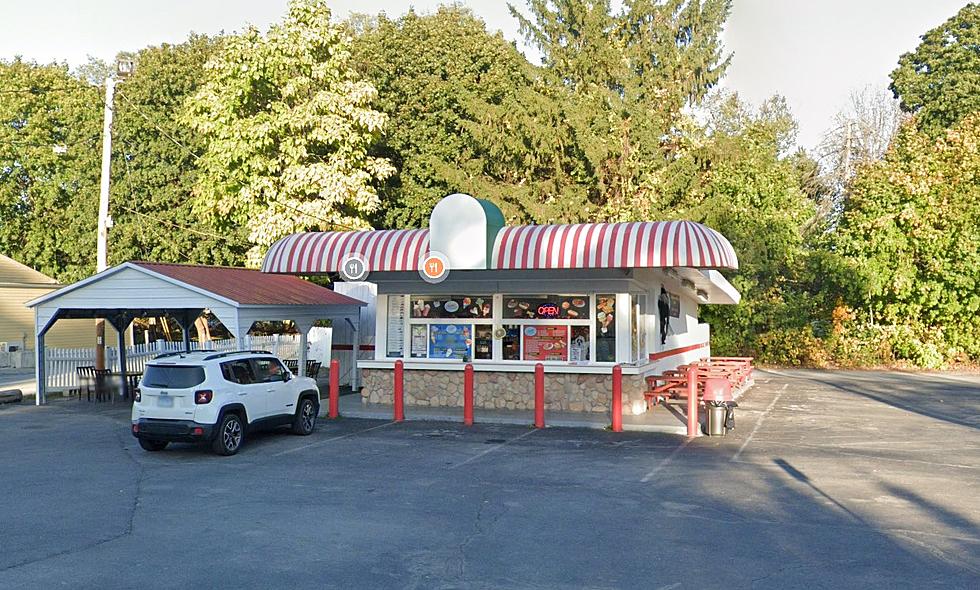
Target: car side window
{"x": 269, "y": 370}
{"x": 238, "y": 372}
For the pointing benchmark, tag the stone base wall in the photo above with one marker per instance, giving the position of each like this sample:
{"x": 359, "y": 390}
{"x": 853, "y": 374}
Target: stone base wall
{"x": 502, "y": 390}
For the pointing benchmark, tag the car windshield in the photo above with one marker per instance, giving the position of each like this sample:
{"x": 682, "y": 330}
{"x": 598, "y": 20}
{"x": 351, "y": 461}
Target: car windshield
{"x": 173, "y": 376}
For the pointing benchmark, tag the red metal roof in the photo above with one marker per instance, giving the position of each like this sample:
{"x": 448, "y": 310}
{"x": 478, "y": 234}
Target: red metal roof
{"x": 250, "y": 287}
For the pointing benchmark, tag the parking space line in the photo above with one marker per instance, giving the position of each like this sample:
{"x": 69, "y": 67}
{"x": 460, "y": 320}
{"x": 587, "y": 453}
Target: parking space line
{"x": 323, "y": 442}
{"x": 492, "y": 449}
{"x": 665, "y": 462}
{"x": 758, "y": 423}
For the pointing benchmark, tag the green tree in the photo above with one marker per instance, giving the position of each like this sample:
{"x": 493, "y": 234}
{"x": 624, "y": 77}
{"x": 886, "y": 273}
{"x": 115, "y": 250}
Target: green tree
{"x": 940, "y": 80}
{"x": 910, "y": 238}
{"x": 287, "y": 124}
{"x": 627, "y": 77}
{"x": 734, "y": 175}
{"x": 436, "y": 75}
{"x": 154, "y": 163}
{"x": 50, "y": 138}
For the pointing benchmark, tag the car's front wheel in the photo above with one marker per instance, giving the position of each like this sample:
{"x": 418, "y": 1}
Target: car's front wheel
{"x": 153, "y": 445}
{"x": 305, "y": 420}
{"x": 230, "y": 435}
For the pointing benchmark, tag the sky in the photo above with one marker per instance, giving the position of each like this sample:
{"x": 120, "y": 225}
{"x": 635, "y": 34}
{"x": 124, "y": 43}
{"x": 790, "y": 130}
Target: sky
{"x": 813, "y": 52}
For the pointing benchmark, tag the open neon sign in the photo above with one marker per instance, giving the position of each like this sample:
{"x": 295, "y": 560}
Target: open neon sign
{"x": 548, "y": 310}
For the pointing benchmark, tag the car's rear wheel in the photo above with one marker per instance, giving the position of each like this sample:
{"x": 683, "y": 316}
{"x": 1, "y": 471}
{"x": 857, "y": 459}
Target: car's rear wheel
{"x": 305, "y": 421}
{"x": 153, "y": 445}
{"x": 230, "y": 435}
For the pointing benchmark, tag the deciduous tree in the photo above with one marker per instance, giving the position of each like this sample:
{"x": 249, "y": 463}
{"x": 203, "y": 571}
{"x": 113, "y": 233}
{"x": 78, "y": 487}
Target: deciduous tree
{"x": 287, "y": 124}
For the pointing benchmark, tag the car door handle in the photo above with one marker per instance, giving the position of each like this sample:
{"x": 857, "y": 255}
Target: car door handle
{"x": 270, "y": 390}
{"x": 243, "y": 393}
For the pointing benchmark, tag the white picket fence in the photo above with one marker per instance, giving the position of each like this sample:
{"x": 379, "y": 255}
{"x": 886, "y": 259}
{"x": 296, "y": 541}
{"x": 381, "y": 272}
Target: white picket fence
{"x": 61, "y": 363}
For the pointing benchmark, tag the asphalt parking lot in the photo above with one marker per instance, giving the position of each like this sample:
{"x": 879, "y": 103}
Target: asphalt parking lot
{"x": 831, "y": 480}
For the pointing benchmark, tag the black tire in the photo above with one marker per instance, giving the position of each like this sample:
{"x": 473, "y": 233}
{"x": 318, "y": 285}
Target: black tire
{"x": 305, "y": 422}
{"x": 229, "y": 436}
{"x": 153, "y": 445}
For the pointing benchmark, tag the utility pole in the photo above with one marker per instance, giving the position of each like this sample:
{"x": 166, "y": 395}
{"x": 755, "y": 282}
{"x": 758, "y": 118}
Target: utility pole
{"x": 125, "y": 66}
{"x": 104, "y": 220}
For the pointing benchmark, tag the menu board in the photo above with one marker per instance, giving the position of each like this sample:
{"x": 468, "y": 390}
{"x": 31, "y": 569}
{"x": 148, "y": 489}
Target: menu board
{"x": 546, "y": 343}
{"x": 396, "y": 326}
{"x": 675, "y": 305}
{"x": 420, "y": 340}
{"x": 450, "y": 341}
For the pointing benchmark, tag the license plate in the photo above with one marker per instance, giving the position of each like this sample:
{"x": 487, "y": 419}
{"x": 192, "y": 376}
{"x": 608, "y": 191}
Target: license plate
{"x": 165, "y": 402}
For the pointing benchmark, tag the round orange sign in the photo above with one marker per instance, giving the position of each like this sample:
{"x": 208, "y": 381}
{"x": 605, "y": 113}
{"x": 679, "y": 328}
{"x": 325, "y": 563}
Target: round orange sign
{"x": 434, "y": 267}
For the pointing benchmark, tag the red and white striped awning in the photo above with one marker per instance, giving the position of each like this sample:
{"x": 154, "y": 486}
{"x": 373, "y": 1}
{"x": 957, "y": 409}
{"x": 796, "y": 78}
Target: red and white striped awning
{"x": 321, "y": 252}
{"x": 643, "y": 244}
{"x": 646, "y": 244}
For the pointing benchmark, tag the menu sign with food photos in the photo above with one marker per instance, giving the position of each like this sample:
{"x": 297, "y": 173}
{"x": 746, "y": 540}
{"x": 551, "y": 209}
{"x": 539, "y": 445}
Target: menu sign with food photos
{"x": 450, "y": 341}
{"x": 396, "y": 326}
{"x": 546, "y": 343}
{"x": 546, "y": 307}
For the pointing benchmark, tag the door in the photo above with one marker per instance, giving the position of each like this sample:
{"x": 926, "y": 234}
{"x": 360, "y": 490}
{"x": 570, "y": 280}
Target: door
{"x": 276, "y": 392}
{"x": 246, "y": 388}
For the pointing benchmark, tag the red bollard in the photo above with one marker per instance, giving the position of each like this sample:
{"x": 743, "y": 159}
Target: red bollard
{"x": 692, "y": 402}
{"x": 539, "y": 395}
{"x": 617, "y": 399}
{"x": 334, "y": 389}
{"x": 399, "y": 391}
{"x": 468, "y": 395}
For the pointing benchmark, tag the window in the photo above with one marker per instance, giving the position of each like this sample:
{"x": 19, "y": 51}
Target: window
{"x": 238, "y": 372}
{"x": 452, "y": 307}
{"x": 546, "y": 307}
{"x": 268, "y": 370}
{"x": 512, "y": 343}
{"x": 605, "y": 328}
{"x": 172, "y": 376}
{"x": 451, "y": 341}
{"x": 546, "y": 342}
{"x": 578, "y": 348}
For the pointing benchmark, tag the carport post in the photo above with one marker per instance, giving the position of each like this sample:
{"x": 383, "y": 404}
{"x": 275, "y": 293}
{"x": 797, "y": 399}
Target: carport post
{"x": 304, "y": 327}
{"x": 184, "y": 321}
{"x": 617, "y": 399}
{"x": 121, "y": 323}
{"x": 692, "y": 402}
{"x": 39, "y": 369}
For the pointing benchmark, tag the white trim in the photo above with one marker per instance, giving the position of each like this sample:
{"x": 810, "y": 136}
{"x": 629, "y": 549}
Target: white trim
{"x": 502, "y": 366}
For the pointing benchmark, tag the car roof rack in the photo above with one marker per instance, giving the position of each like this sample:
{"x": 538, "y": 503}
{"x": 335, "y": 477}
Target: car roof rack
{"x": 181, "y": 353}
{"x": 231, "y": 352}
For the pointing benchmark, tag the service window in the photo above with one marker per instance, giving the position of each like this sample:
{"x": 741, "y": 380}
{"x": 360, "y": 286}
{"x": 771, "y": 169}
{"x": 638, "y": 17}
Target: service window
{"x": 605, "y": 328}
{"x": 512, "y": 343}
{"x": 546, "y": 307}
{"x": 452, "y": 306}
{"x": 451, "y": 341}
{"x": 546, "y": 342}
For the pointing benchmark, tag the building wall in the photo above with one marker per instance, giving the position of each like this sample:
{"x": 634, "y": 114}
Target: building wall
{"x": 501, "y": 390}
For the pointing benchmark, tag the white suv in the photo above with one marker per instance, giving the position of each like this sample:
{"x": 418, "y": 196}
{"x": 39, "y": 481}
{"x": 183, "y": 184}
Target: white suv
{"x": 215, "y": 397}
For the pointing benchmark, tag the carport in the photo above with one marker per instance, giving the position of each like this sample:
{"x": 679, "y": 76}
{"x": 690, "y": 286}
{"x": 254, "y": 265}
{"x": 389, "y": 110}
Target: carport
{"x": 237, "y": 296}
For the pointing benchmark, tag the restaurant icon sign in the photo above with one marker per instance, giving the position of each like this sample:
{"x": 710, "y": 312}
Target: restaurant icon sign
{"x": 354, "y": 268}
{"x": 434, "y": 268}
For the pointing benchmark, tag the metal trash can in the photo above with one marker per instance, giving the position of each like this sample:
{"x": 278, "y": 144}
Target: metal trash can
{"x": 717, "y": 412}
{"x": 719, "y": 406}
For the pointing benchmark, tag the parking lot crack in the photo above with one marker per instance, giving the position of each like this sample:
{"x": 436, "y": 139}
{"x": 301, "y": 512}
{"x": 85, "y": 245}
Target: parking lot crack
{"x": 127, "y": 531}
